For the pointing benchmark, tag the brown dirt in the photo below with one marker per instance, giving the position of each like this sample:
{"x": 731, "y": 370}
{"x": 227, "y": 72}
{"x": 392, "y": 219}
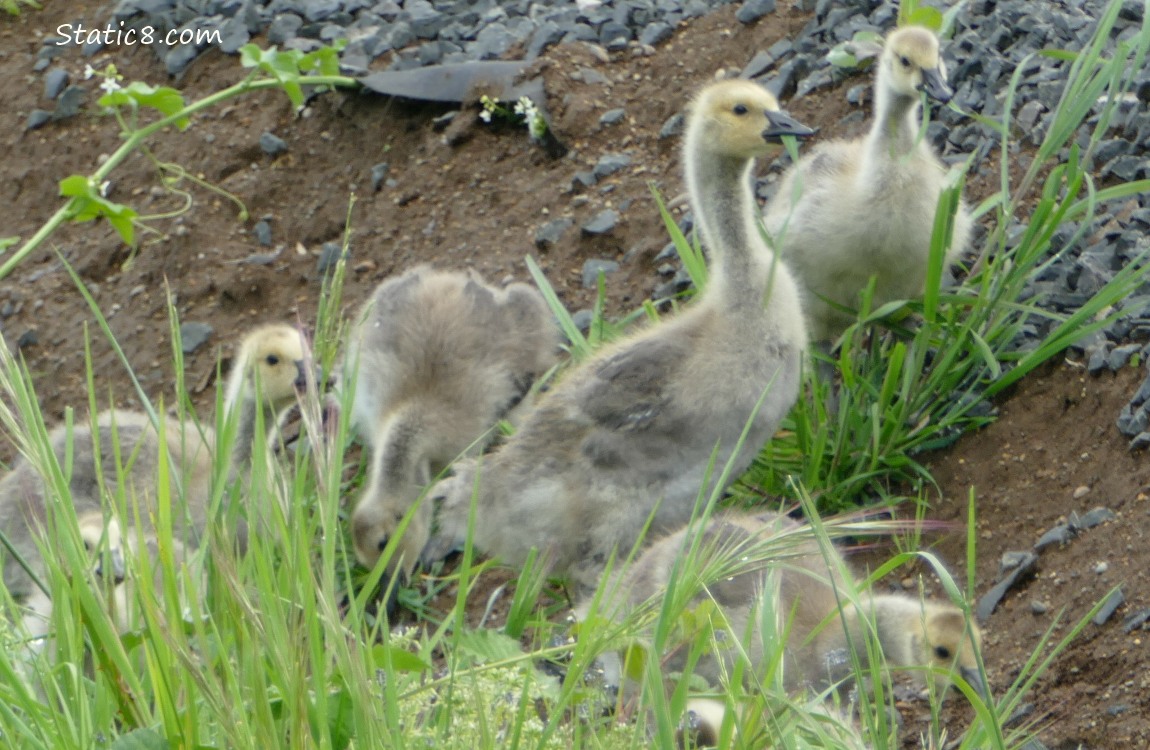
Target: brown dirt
{"x": 478, "y": 204}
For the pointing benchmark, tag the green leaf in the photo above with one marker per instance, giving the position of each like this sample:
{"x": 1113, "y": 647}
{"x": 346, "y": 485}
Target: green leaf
{"x": 841, "y": 58}
{"x": 401, "y": 659}
{"x": 140, "y": 739}
{"x": 167, "y": 100}
{"x": 488, "y": 645}
{"x": 7, "y": 242}
{"x": 87, "y": 204}
{"x": 926, "y": 16}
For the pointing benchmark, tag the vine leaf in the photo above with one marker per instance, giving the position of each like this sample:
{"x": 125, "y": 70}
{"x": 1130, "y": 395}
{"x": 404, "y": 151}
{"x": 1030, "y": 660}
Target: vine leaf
{"x": 167, "y": 100}
{"x": 87, "y": 204}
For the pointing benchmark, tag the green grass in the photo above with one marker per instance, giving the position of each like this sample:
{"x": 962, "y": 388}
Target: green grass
{"x": 276, "y": 648}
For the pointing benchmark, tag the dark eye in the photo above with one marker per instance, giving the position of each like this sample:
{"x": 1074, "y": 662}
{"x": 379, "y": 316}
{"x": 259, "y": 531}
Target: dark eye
{"x": 905, "y": 61}
{"x": 87, "y": 546}
{"x": 272, "y": 360}
{"x": 740, "y": 109}
{"x": 942, "y": 652}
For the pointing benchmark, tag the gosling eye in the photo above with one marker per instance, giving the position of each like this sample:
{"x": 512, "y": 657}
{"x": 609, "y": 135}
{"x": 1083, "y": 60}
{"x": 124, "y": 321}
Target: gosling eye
{"x": 272, "y": 360}
{"x": 942, "y": 652}
{"x": 87, "y": 546}
{"x": 904, "y": 60}
{"x": 739, "y": 109}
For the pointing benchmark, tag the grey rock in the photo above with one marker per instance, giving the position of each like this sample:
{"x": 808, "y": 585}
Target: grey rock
{"x": 378, "y": 175}
{"x": 424, "y": 19}
{"x": 263, "y": 232}
{"x": 492, "y": 42}
{"x": 673, "y": 126}
{"x": 1117, "y": 709}
{"x": 178, "y": 58}
{"x": 609, "y": 164}
{"x": 329, "y": 255}
{"x": 37, "y": 119}
{"x": 27, "y": 339}
{"x": 69, "y": 102}
{"x": 614, "y": 36}
{"x": 54, "y": 82}
{"x": 1136, "y": 620}
{"x": 1039, "y": 608}
{"x": 656, "y": 33}
{"x": 547, "y": 34}
{"x": 753, "y": 10}
{"x": 271, "y": 144}
{"x": 233, "y": 35}
{"x": 583, "y": 319}
{"x": 1121, "y": 355}
{"x": 989, "y": 601}
{"x": 319, "y": 10}
{"x": 613, "y": 116}
{"x": 603, "y": 222}
{"x": 1093, "y": 517}
{"x": 284, "y": 27}
{"x": 582, "y": 181}
{"x": 548, "y": 235}
{"x": 1011, "y": 560}
{"x": 1059, "y": 535}
{"x": 193, "y": 335}
{"x": 1141, "y": 441}
{"x": 1099, "y": 359}
{"x": 592, "y": 268}
{"x": 1112, "y": 603}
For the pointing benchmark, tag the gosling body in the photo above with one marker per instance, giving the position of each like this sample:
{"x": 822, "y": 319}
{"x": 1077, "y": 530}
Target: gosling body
{"x": 438, "y": 358}
{"x": 849, "y": 210}
{"x": 630, "y": 433}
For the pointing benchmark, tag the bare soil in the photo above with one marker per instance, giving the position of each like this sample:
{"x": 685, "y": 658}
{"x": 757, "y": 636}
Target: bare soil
{"x": 478, "y": 203}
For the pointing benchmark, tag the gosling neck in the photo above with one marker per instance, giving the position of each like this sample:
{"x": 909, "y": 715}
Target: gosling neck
{"x": 896, "y": 124}
{"x": 246, "y": 421}
{"x": 400, "y": 466}
{"x": 897, "y": 626}
{"x": 725, "y": 212}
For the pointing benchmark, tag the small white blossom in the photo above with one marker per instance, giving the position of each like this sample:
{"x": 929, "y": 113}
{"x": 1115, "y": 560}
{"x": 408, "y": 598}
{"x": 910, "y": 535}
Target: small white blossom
{"x": 89, "y": 71}
{"x": 485, "y": 115}
{"x": 110, "y": 85}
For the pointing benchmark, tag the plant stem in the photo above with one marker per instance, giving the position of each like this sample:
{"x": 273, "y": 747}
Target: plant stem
{"x": 137, "y": 137}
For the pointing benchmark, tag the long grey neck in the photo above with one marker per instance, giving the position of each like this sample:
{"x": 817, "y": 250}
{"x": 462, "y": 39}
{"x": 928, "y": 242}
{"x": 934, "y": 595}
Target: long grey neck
{"x": 399, "y": 465}
{"x": 725, "y": 212}
{"x": 247, "y": 419}
{"x": 895, "y": 129}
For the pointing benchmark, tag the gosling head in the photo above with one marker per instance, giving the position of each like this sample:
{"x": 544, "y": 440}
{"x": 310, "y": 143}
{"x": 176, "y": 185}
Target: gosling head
{"x": 911, "y": 63}
{"x": 273, "y": 358}
{"x": 741, "y": 119}
{"x": 944, "y": 640}
{"x": 102, "y": 540}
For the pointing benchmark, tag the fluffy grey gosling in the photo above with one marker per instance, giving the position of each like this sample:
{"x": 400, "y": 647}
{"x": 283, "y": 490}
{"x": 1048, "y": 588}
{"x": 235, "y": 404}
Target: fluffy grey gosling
{"x": 437, "y": 358}
{"x": 910, "y": 633}
{"x": 866, "y": 207}
{"x": 633, "y": 429}
{"x": 267, "y": 375}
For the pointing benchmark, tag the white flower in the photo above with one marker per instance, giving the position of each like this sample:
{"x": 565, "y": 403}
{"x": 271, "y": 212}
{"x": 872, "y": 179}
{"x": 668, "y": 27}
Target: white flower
{"x": 89, "y": 71}
{"x": 110, "y": 85}
{"x": 104, "y": 188}
{"x": 485, "y": 115}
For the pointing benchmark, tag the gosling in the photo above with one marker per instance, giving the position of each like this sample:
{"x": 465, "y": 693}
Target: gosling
{"x": 437, "y": 359}
{"x": 267, "y": 376}
{"x": 631, "y": 432}
{"x": 927, "y": 637}
{"x": 850, "y": 210}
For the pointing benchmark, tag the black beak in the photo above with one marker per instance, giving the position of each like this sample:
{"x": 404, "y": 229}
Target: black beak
{"x": 301, "y": 375}
{"x": 116, "y": 570}
{"x": 936, "y": 86}
{"x": 783, "y": 124}
{"x": 974, "y": 678}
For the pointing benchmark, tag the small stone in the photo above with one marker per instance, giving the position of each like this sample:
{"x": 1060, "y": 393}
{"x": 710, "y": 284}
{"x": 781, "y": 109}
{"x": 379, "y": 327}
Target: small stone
{"x": 673, "y": 126}
{"x": 329, "y": 255}
{"x": 1140, "y": 441}
{"x": 753, "y": 10}
{"x": 609, "y": 164}
{"x": 1121, "y": 356}
{"x": 271, "y": 144}
{"x": 193, "y": 335}
{"x": 37, "y": 119}
{"x": 989, "y": 601}
{"x": 1011, "y": 560}
{"x": 1101, "y": 567}
{"x": 548, "y": 235}
{"x": 378, "y": 175}
{"x": 54, "y": 82}
{"x": 592, "y": 268}
{"x": 233, "y": 35}
{"x": 179, "y": 58}
{"x": 1096, "y": 517}
{"x": 1112, "y": 603}
{"x": 28, "y": 338}
{"x": 263, "y": 232}
{"x": 613, "y": 116}
{"x": 1059, "y": 535}
{"x": 1118, "y": 708}
{"x": 603, "y": 222}
{"x": 1039, "y": 608}
{"x": 284, "y": 27}
{"x": 1081, "y": 492}
{"x": 583, "y": 180}
{"x": 655, "y": 33}
{"x": 1136, "y": 620}
{"x": 69, "y": 103}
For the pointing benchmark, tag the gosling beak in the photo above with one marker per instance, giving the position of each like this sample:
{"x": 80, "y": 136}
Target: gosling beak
{"x": 116, "y": 566}
{"x": 974, "y": 678}
{"x": 935, "y": 85}
{"x": 783, "y": 124}
{"x": 301, "y": 375}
